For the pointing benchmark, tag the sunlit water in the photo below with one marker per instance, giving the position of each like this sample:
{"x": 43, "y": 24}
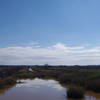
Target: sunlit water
{"x": 39, "y": 89}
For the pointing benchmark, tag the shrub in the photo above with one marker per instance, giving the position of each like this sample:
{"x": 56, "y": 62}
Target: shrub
{"x": 94, "y": 85}
{"x": 75, "y": 93}
{"x": 10, "y": 81}
{"x": 1, "y": 84}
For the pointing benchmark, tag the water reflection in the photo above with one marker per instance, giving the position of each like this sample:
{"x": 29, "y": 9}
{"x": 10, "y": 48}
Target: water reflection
{"x": 39, "y": 89}
{"x": 38, "y": 83}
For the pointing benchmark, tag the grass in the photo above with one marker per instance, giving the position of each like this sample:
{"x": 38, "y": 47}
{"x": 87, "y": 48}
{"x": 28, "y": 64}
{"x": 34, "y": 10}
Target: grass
{"x": 7, "y": 82}
{"x": 75, "y": 93}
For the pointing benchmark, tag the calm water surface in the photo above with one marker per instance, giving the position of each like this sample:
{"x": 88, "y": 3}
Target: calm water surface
{"x": 39, "y": 89}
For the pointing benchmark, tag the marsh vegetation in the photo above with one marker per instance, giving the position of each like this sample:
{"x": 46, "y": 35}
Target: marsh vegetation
{"x": 86, "y": 77}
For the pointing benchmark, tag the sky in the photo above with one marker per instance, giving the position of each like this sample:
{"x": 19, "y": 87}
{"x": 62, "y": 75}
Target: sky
{"x": 65, "y": 32}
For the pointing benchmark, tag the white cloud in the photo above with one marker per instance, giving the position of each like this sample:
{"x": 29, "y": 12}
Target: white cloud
{"x": 55, "y": 54}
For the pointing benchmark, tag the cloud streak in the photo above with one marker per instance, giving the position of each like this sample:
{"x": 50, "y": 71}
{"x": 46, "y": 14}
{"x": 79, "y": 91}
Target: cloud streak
{"x": 58, "y": 54}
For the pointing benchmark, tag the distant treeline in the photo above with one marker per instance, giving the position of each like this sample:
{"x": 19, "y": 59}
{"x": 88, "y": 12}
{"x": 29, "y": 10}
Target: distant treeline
{"x": 77, "y": 66}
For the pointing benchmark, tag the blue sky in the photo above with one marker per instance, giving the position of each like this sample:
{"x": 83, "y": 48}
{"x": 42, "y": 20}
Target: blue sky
{"x": 49, "y": 23}
{"x": 74, "y": 22}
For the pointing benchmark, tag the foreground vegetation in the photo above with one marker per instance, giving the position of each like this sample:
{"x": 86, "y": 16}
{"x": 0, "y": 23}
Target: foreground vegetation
{"x": 5, "y": 83}
{"x": 87, "y": 77}
{"x": 76, "y": 93}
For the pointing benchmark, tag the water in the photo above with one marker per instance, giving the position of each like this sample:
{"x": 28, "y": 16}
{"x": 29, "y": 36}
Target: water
{"x": 39, "y": 89}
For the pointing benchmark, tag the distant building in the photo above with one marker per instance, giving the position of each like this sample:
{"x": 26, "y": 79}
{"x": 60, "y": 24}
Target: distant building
{"x": 30, "y": 70}
{"x": 46, "y": 65}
